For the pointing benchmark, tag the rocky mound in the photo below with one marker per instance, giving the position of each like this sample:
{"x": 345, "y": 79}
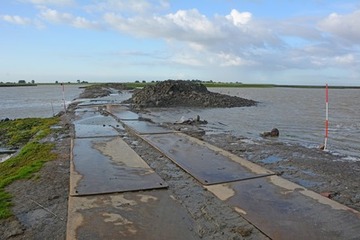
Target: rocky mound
{"x": 185, "y": 94}
{"x": 102, "y": 90}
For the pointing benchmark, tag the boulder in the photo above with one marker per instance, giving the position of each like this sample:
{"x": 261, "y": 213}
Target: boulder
{"x": 180, "y": 93}
{"x": 274, "y": 133}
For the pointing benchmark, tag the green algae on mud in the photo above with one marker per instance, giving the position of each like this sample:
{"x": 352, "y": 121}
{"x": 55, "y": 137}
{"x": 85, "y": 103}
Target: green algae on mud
{"x": 27, "y": 133}
{"x": 16, "y": 133}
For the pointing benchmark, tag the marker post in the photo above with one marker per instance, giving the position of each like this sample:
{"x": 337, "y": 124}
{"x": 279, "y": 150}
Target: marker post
{"x": 63, "y": 92}
{"x": 326, "y": 116}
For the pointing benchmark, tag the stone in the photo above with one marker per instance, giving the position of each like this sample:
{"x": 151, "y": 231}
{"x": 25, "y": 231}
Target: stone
{"x": 172, "y": 93}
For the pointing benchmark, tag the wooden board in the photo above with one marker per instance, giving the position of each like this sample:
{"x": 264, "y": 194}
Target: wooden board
{"x": 107, "y": 165}
{"x": 284, "y": 210}
{"x": 204, "y": 164}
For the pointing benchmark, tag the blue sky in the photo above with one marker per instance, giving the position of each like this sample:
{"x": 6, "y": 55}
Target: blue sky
{"x": 250, "y": 41}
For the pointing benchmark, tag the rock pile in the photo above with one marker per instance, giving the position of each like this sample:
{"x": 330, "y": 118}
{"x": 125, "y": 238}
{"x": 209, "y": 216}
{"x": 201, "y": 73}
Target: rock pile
{"x": 102, "y": 90}
{"x": 185, "y": 94}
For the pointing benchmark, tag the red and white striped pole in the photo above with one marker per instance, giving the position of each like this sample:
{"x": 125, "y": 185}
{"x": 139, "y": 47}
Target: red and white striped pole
{"x": 327, "y": 116}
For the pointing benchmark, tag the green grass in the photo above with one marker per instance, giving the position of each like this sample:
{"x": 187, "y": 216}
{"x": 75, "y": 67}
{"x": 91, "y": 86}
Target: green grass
{"x": 18, "y": 132}
{"x": 31, "y": 157}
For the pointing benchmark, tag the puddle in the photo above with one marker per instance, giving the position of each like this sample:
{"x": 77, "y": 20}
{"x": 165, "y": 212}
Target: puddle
{"x": 271, "y": 159}
{"x": 307, "y": 183}
{"x": 4, "y": 157}
{"x": 310, "y": 173}
{"x": 5, "y": 154}
{"x": 126, "y": 115}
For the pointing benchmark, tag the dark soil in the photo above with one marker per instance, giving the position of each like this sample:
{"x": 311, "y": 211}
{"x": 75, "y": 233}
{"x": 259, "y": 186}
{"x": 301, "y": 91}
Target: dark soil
{"x": 185, "y": 94}
{"x": 314, "y": 169}
{"x": 102, "y": 90}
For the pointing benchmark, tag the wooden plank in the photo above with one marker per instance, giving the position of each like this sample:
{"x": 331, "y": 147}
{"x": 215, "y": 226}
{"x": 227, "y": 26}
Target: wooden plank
{"x": 204, "y": 164}
{"x": 284, "y": 210}
{"x": 107, "y": 165}
{"x": 150, "y": 215}
{"x": 93, "y": 124}
{"x": 143, "y": 127}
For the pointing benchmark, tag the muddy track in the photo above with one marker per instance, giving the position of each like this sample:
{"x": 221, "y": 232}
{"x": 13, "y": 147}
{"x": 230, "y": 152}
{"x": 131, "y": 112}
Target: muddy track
{"x": 213, "y": 218}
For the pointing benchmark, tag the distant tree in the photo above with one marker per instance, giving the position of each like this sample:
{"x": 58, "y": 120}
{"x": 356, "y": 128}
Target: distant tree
{"x": 137, "y": 81}
{"x": 33, "y": 81}
{"x": 143, "y": 81}
{"x": 22, "y": 81}
{"x": 56, "y": 82}
{"x": 78, "y": 81}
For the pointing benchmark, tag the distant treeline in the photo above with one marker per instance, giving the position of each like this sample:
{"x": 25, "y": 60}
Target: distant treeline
{"x": 211, "y": 84}
{"x": 17, "y": 84}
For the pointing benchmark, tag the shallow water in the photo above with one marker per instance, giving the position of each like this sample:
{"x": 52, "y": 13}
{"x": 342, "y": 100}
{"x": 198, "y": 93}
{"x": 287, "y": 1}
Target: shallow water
{"x": 37, "y": 101}
{"x": 298, "y": 113}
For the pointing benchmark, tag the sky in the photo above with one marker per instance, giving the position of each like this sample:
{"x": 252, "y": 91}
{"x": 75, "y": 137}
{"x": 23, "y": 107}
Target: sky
{"x": 307, "y": 42}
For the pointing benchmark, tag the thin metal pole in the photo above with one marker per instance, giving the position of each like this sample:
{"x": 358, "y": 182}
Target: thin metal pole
{"x": 63, "y": 92}
{"x": 326, "y": 116}
{"x": 52, "y": 107}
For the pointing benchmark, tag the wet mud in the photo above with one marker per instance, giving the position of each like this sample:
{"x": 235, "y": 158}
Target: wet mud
{"x": 312, "y": 168}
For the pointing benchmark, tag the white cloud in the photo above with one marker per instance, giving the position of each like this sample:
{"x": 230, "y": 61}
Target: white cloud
{"x": 343, "y": 26}
{"x": 225, "y": 41}
{"x": 16, "y": 19}
{"x": 238, "y": 18}
{"x": 51, "y": 2}
{"x": 191, "y": 21}
{"x": 196, "y": 29}
{"x": 23, "y": 21}
{"x": 128, "y": 6}
{"x": 238, "y": 39}
{"x": 185, "y": 26}
{"x": 346, "y": 59}
{"x": 187, "y": 59}
{"x": 227, "y": 60}
{"x": 55, "y": 16}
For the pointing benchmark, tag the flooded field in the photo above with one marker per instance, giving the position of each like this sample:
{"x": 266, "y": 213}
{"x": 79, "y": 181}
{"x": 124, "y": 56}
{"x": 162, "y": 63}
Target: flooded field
{"x": 299, "y": 114}
{"x": 38, "y": 101}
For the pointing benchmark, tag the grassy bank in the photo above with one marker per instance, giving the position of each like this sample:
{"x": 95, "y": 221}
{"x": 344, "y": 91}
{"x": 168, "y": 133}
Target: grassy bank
{"x": 25, "y": 133}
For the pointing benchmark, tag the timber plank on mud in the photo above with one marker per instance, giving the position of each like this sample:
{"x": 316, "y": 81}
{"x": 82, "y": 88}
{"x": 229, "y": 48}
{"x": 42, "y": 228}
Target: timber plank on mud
{"x": 144, "y": 127}
{"x": 206, "y": 165}
{"x": 108, "y": 165}
{"x": 150, "y": 215}
{"x": 93, "y": 124}
{"x": 279, "y": 208}
{"x": 284, "y": 210}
